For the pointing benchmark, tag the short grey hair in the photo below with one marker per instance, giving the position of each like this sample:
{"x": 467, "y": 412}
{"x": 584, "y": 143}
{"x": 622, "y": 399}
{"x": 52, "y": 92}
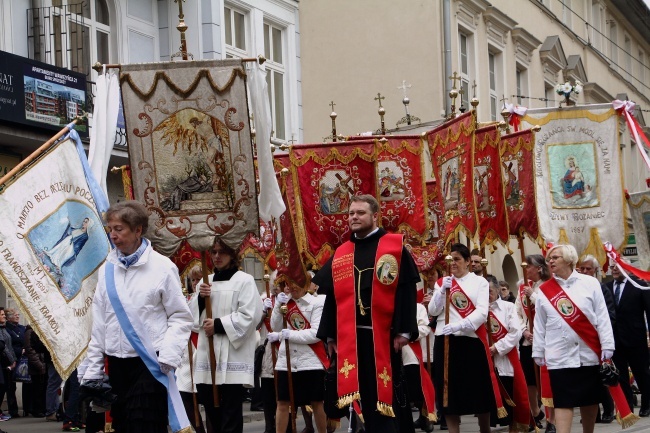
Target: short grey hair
{"x": 568, "y": 253}
{"x": 594, "y": 261}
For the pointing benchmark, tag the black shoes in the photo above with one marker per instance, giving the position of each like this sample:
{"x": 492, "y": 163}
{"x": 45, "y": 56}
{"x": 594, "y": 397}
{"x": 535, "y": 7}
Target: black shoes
{"x": 423, "y": 424}
{"x": 644, "y": 412}
{"x": 550, "y": 428}
{"x": 538, "y": 419}
{"x": 607, "y": 418}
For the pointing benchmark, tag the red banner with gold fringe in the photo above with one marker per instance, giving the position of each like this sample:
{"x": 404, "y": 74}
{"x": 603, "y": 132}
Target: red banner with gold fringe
{"x": 451, "y": 148}
{"x": 401, "y": 186}
{"x": 428, "y": 253}
{"x": 488, "y": 188}
{"x": 516, "y": 151}
{"x": 325, "y": 176}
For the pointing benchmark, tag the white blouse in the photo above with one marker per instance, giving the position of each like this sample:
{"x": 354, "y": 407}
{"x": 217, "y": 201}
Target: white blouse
{"x": 523, "y": 319}
{"x": 505, "y": 312}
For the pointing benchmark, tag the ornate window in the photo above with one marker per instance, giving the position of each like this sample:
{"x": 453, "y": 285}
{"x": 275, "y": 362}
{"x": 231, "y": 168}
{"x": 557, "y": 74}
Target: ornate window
{"x": 275, "y": 76}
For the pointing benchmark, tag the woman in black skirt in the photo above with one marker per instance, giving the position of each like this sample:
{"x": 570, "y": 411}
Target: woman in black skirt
{"x": 536, "y": 272}
{"x": 470, "y": 387}
{"x": 572, "y": 365}
{"x": 307, "y": 370}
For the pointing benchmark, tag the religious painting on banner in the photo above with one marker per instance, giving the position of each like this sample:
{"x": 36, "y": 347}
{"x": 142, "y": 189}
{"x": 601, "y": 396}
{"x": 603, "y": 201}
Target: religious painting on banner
{"x": 519, "y": 183}
{"x": 51, "y": 247}
{"x": 488, "y": 188}
{"x": 190, "y": 151}
{"x": 451, "y": 146}
{"x": 325, "y": 177}
{"x": 428, "y": 253}
{"x": 639, "y": 203}
{"x": 579, "y": 184}
{"x": 401, "y": 186}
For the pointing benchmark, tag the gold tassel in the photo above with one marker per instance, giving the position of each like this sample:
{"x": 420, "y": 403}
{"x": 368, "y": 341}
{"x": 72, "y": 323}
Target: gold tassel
{"x": 431, "y": 416}
{"x": 628, "y": 421}
{"x": 523, "y": 428}
{"x": 333, "y": 424}
{"x": 187, "y": 429}
{"x": 385, "y": 409}
{"x": 360, "y": 415}
{"x": 502, "y": 412}
{"x": 108, "y": 427}
{"x": 309, "y": 409}
{"x": 547, "y": 402}
{"x": 510, "y": 403}
{"x": 346, "y": 400}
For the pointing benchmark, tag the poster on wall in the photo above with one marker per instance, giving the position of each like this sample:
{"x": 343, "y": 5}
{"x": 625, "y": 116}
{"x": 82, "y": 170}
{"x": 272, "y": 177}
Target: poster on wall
{"x": 41, "y": 95}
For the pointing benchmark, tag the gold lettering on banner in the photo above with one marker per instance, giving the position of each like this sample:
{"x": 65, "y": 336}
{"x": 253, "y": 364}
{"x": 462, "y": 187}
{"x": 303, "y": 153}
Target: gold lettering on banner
{"x": 384, "y": 377}
{"x": 345, "y": 370}
{"x": 343, "y": 267}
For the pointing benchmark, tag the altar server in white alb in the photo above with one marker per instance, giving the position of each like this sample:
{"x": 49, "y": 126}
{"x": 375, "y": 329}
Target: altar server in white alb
{"x": 138, "y": 293}
{"x": 236, "y": 312}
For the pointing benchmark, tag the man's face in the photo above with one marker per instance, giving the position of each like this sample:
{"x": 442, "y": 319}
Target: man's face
{"x": 361, "y": 219}
{"x": 476, "y": 264}
{"x": 616, "y": 273}
{"x": 587, "y": 268}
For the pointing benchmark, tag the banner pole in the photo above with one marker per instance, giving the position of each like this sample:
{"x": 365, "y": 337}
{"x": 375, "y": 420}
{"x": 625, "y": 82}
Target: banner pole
{"x": 208, "y": 314}
{"x": 38, "y": 152}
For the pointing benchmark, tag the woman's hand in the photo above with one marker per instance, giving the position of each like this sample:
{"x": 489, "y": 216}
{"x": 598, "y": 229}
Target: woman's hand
{"x": 528, "y": 336}
{"x": 528, "y": 291}
{"x": 205, "y": 290}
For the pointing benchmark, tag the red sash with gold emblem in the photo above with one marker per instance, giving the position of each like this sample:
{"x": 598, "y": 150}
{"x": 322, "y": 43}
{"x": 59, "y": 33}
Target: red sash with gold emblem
{"x": 521, "y": 411}
{"x": 464, "y": 305}
{"x": 384, "y": 286}
{"x": 298, "y": 322}
{"x": 529, "y": 308}
{"x": 576, "y": 319}
{"x": 425, "y": 383}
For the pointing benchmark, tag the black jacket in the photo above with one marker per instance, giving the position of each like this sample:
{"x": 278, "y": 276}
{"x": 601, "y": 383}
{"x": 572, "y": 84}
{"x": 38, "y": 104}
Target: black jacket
{"x": 631, "y": 312}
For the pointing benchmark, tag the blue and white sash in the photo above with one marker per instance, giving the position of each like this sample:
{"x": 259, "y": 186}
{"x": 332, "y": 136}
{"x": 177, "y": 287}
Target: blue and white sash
{"x": 139, "y": 339}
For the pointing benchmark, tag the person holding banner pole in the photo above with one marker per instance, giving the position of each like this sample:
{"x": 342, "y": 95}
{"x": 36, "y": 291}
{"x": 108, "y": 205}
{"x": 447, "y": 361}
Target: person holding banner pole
{"x": 236, "y": 312}
{"x": 572, "y": 336}
{"x": 141, "y": 323}
{"x": 308, "y": 356}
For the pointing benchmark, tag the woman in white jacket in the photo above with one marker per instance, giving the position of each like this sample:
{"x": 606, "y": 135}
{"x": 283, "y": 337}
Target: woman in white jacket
{"x": 307, "y": 368}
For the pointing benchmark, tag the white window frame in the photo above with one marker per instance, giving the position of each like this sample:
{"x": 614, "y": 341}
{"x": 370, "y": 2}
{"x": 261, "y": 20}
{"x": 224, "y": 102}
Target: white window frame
{"x": 549, "y": 94}
{"x": 233, "y": 51}
{"x": 627, "y": 46}
{"x": 466, "y": 76}
{"x": 613, "y": 48}
{"x": 495, "y": 72}
{"x": 521, "y": 81}
{"x": 274, "y": 68}
{"x": 566, "y": 13}
{"x": 641, "y": 62}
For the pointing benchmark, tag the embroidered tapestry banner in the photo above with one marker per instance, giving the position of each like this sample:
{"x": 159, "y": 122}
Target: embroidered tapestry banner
{"x": 325, "y": 177}
{"x": 578, "y": 177}
{"x": 519, "y": 183}
{"x": 190, "y": 151}
{"x": 639, "y": 203}
{"x": 52, "y": 244}
{"x": 451, "y": 146}
{"x": 488, "y": 188}
{"x": 429, "y": 253}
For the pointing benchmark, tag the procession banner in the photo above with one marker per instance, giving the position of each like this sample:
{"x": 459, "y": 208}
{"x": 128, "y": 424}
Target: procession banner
{"x": 430, "y": 252}
{"x": 451, "y": 146}
{"x": 578, "y": 178}
{"x": 290, "y": 263}
{"x": 516, "y": 151}
{"x": 325, "y": 177}
{"x": 488, "y": 188}
{"x": 640, "y": 210}
{"x": 401, "y": 186}
{"x": 52, "y": 244}
{"x": 190, "y": 151}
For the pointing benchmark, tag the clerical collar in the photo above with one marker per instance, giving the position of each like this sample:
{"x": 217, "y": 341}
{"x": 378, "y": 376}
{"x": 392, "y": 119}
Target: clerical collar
{"x": 355, "y": 239}
{"x": 224, "y": 275}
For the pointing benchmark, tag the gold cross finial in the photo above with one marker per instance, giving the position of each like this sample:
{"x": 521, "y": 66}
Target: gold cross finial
{"x": 385, "y": 377}
{"x": 455, "y": 77}
{"x": 474, "y": 89}
{"x": 332, "y": 104}
{"x": 503, "y": 100}
{"x": 345, "y": 370}
{"x": 379, "y": 98}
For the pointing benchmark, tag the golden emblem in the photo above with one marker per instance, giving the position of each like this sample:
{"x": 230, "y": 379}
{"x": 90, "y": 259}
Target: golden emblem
{"x": 345, "y": 370}
{"x": 386, "y": 269}
{"x": 524, "y": 300}
{"x": 565, "y": 307}
{"x": 495, "y": 327}
{"x": 459, "y": 300}
{"x": 384, "y": 377}
{"x": 297, "y": 321}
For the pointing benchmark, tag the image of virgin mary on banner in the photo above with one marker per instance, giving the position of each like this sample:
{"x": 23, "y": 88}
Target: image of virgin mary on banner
{"x": 488, "y": 188}
{"x": 519, "y": 183}
{"x": 401, "y": 186}
{"x": 451, "y": 146}
{"x": 325, "y": 177}
{"x": 579, "y": 184}
{"x": 190, "y": 151}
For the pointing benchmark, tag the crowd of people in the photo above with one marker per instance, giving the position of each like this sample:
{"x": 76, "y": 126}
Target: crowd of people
{"x": 370, "y": 339}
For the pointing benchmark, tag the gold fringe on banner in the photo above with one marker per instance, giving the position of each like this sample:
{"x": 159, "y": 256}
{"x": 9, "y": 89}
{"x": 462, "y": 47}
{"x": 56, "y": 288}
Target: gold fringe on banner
{"x": 187, "y": 429}
{"x": 431, "y": 416}
{"x": 502, "y": 412}
{"x": 108, "y": 427}
{"x": 510, "y": 403}
{"x": 346, "y": 400}
{"x": 523, "y": 428}
{"x": 309, "y": 409}
{"x": 547, "y": 402}
{"x": 628, "y": 421}
{"x": 385, "y": 409}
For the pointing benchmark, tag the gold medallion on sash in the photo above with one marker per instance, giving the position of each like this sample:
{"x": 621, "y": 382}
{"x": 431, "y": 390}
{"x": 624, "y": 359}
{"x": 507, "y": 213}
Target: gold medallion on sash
{"x": 387, "y": 269}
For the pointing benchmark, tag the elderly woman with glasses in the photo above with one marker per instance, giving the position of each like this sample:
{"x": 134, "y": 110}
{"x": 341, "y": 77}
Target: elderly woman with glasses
{"x": 572, "y": 335}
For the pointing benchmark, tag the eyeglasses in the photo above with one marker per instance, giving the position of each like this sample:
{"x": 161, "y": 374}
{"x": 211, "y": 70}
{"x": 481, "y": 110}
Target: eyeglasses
{"x": 586, "y": 268}
{"x": 554, "y": 258}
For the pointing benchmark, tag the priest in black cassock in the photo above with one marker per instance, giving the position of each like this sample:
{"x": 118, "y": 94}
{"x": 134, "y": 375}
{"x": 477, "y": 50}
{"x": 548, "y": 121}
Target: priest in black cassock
{"x": 369, "y": 315}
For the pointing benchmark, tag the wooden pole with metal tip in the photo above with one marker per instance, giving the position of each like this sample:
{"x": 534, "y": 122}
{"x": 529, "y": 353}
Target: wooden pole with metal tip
{"x": 445, "y": 392}
{"x": 208, "y": 315}
{"x": 274, "y": 356}
{"x": 292, "y": 404}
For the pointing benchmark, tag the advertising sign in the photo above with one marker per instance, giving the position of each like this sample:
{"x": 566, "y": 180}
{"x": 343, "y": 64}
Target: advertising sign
{"x": 40, "y": 95}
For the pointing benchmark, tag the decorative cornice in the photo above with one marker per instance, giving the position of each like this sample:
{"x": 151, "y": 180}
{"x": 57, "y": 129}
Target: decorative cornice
{"x": 575, "y": 69}
{"x": 594, "y": 94}
{"x": 468, "y": 11}
{"x": 525, "y": 44}
{"x": 498, "y": 25}
{"x": 552, "y": 54}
